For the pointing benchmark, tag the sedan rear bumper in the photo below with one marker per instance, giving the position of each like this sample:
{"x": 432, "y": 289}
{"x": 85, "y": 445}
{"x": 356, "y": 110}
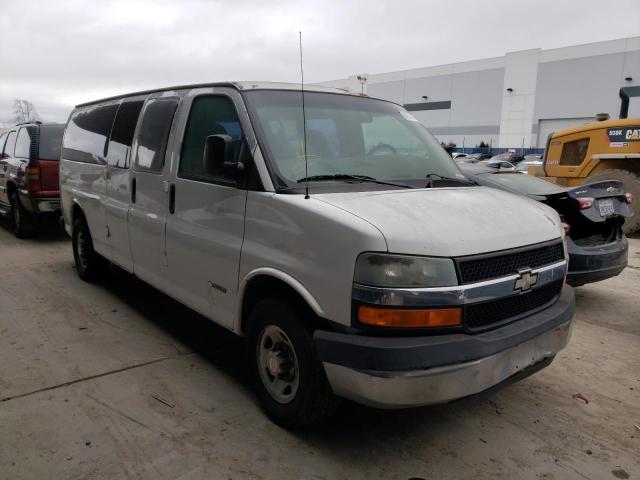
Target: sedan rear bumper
{"x": 595, "y": 263}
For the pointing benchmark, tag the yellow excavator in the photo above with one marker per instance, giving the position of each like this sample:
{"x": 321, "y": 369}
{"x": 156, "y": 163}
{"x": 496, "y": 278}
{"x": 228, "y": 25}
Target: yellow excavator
{"x": 603, "y": 150}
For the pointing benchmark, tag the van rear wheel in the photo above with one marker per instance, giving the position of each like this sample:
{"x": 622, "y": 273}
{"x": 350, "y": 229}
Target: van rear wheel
{"x": 89, "y": 264}
{"x": 288, "y": 377}
{"x": 631, "y": 182}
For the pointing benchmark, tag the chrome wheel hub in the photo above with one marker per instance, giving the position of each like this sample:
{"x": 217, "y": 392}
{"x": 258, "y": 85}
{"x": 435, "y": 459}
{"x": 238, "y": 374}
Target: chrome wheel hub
{"x": 278, "y": 364}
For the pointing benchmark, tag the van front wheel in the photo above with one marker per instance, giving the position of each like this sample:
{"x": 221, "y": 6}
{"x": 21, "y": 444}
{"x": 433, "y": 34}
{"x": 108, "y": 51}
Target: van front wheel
{"x": 288, "y": 377}
{"x": 89, "y": 264}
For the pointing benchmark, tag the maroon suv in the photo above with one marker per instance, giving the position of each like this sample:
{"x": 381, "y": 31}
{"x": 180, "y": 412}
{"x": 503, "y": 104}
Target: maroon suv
{"x": 29, "y": 185}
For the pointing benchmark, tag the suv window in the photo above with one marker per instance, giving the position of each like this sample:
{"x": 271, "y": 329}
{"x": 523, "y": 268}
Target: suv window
{"x": 122, "y": 133}
{"x": 23, "y": 143}
{"x": 11, "y": 143}
{"x": 85, "y": 139}
{"x": 573, "y": 153}
{"x": 154, "y": 133}
{"x": 50, "y": 142}
{"x": 209, "y": 115}
{"x": 3, "y": 138}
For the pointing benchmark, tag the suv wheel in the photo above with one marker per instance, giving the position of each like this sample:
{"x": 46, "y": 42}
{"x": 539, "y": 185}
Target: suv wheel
{"x": 89, "y": 264}
{"x": 287, "y": 375}
{"x": 23, "y": 224}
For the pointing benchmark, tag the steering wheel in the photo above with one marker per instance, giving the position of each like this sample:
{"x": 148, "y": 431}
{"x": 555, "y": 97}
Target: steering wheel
{"x": 382, "y": 146}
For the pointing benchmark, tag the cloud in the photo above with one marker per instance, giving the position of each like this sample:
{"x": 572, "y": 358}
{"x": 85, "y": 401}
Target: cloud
{"x": 60, "y": 53}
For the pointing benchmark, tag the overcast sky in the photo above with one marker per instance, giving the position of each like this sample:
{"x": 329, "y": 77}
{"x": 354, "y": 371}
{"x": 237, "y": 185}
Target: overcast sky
{"x": 60, "y": 53}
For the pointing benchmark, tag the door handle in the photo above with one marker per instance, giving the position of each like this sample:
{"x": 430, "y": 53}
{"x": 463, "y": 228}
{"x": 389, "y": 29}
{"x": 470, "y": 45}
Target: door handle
{"x": 172, "y": 198}
{"x": 133, "y": 190}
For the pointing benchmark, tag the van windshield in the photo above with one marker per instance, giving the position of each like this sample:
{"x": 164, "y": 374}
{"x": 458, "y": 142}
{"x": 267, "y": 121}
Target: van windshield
{"x": 345, "y": 135}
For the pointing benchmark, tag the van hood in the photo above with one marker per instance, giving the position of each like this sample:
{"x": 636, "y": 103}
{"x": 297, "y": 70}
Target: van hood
{"x": 451, "y": 222}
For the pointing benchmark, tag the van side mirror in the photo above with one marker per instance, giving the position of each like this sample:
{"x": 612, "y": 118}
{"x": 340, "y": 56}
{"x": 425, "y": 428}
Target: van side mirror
{"x": 218, "y": 157}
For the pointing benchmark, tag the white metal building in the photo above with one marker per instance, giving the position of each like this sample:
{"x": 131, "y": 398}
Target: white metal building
{"x": 516, "y": 100}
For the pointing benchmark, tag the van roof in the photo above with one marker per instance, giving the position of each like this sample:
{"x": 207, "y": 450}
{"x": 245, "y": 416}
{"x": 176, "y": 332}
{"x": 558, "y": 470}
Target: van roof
{"x": 616, "y": 122}
{"x": 241, "y": 86}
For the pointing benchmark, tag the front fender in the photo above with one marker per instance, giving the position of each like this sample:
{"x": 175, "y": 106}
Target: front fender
{"x": 282, "y": 276}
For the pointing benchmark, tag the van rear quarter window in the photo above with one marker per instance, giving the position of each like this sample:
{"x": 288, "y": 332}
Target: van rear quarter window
{"x": 124, "y": 127}
{"x": 86, "y": 136}
{"x": 50, "y": 142}
{"x": 209, "y": 115}
{"x": 154, "y": 132}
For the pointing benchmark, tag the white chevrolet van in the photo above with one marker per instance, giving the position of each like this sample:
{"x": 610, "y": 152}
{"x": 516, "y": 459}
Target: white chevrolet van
{"x": 341, "y": 242}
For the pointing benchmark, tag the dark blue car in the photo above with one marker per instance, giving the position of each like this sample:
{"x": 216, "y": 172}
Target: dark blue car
{"x": 592, "y": 216}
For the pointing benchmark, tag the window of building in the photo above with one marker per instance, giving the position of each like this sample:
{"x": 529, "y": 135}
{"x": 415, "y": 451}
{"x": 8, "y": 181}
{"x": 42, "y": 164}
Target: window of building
{"x": 154, "y": 133}
{"x": 86, "y": 136}
{"x": 209, "y": 115}
{"x": 23, "y": 143}
{"x": 124, "y": 127}
{"x": 573, "y": 153}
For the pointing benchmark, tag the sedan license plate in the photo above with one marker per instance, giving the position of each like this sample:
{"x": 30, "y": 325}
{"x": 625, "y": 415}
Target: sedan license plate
{"x": 606, "y": 207}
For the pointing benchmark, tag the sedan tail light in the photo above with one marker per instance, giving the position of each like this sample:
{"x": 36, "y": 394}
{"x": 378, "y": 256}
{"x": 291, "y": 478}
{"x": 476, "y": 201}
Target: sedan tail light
{"x": 585, "y": 202}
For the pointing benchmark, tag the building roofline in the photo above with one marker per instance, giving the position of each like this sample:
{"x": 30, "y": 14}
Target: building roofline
{"x": 603, "y": 46}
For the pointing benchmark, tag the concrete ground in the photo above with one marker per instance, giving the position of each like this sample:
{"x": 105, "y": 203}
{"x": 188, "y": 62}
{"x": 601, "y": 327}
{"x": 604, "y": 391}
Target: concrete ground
{"x": 116, "y": 380}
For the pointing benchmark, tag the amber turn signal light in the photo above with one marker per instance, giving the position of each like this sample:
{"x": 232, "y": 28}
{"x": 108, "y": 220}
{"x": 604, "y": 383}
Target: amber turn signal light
{"x": 390, "y": 317}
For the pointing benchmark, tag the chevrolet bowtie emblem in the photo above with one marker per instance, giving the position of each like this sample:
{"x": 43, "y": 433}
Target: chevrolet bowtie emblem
{"x": 525, "y": 280}
{"x": 611, "y": 189}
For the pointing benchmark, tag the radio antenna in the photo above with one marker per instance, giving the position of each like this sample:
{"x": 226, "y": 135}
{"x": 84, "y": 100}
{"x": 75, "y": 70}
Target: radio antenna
{"x": 304, "y": 125}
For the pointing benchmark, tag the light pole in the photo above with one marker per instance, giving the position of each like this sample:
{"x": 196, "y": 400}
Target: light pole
{"x": 362, "y": 79}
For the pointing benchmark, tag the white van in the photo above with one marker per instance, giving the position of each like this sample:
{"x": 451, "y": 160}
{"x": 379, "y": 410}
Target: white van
{"x": 342, "y": 242}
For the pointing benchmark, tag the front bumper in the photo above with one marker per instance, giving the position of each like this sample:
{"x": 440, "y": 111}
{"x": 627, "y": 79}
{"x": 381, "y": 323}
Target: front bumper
{"x": 596, "y": 263}
{"x": 392, "y": 372}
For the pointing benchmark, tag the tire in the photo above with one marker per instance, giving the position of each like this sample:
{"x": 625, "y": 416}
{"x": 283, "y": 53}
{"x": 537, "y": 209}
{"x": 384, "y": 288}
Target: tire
{"x": 631, "y": 182}
{"x": 308, "y": 399}
{"x": 89, "y": 264}
{"x": 23, "y": 221}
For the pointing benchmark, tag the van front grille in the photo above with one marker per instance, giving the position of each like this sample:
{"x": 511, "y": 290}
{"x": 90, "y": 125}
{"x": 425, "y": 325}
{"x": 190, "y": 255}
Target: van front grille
{"x": 490, "y": 314}
{"x": 477, "y": 269}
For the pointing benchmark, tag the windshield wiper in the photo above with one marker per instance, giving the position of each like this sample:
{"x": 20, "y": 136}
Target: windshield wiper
{"x": 345, "y": 176}
{"x": 430, "y": 178}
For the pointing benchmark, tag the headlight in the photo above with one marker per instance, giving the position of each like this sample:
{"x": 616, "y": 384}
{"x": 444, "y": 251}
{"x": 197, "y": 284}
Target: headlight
{"x": 563, "y": 235}
{"x": 403, "y": 271}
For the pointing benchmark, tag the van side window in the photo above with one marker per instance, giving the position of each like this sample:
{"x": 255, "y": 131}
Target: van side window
{"x": 11, "y": 143}
{"x": 85, "y": 139}
{"x": 23, "y": 144}
{"x": 122, "y": 133}
{"x": 573, "y": 153}
{"x": 209, "y": 115}
{"x": 154, "y": 133}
